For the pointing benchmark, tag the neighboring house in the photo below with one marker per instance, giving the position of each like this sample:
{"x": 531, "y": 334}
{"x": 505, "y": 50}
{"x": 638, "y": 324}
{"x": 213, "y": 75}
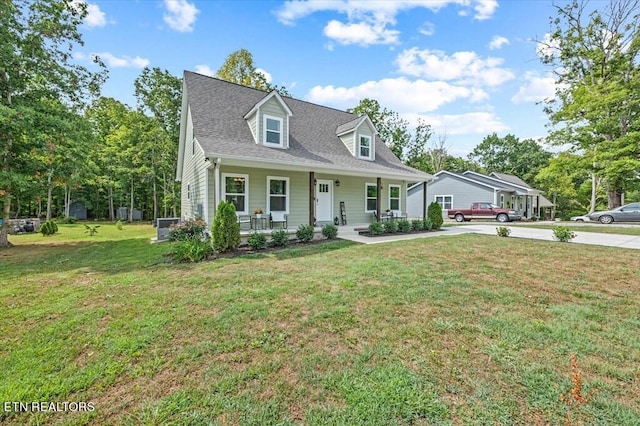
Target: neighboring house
{"x": 454, "y": 190}
{"x": 261, "y": 150}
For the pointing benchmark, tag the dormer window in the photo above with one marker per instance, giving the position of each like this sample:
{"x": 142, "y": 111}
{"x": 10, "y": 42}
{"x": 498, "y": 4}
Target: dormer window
{"x": 365, "y": 146}
{"x": 273, "y": 130}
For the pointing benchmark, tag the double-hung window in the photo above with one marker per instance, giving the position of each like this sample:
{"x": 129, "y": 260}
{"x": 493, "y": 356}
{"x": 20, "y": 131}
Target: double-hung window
{"x": 278, "y": 194}
{"x": 273, "y": 130}
{"x": 445, "y": 201}
{"x": 394, "y": 197}
{"x": 364, "y": 146}
{"x": 371, "y": 196}
{"x": 236, "y": 190}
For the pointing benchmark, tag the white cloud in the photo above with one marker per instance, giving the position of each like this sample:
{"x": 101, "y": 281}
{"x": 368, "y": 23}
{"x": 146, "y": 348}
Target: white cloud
{"x": 181, "y": 15}
{"x": 362, "y": 33}
{"x": 497, "y": 42}
{"x": 535, "y": 89}
{"x": 461, "y": 67}
{"x": 267, "y": 76}
{"x": 398, "y": 94}
{"x": 204, "y": 70}
{"x": 369, "y": 22}
{"x": 293, "y": 10}
{"x": 95, "y": 17}
{"x": 547, "y": 47}
{"x": 428, "y": 29}
{"x": 472, "y": 123}
{"x": 113, "y": 61}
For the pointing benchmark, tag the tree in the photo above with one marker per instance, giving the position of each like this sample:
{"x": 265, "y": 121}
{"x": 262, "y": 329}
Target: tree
{"x": 510, "y": 155}
{"x": 36, "y": 43}
{"x": 596, "y": 60}
{"x": 239, "y": 68}
{"x": 160, "y": 94}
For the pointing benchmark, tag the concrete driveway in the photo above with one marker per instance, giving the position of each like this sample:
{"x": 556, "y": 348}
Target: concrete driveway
{"x": 517, "y": 231}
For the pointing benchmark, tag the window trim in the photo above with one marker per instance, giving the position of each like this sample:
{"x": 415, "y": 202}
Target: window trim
{"x": 393, "y": 185}
{"x": 287, "y": 194}
{"x": 246, "y": 190}
{"x": 443, "y": 205}
{"x": 366, "y": 196}
{"x": 280, "y": 120}
{"x": 370, "y": 156}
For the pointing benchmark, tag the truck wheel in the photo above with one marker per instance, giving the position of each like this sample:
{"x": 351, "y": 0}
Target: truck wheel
{"x": 502, "y": 218}
{"x": 459, "y": 217}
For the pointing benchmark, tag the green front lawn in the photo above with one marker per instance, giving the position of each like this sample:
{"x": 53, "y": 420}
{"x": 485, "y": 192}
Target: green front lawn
{"x": 457, "y": 330}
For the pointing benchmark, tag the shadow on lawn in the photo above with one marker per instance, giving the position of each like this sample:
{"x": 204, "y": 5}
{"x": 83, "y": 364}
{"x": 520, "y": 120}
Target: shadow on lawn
{"x": 91, "y": 256}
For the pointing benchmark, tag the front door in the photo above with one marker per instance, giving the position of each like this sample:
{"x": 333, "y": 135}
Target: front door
{"x": 324, "y": 201}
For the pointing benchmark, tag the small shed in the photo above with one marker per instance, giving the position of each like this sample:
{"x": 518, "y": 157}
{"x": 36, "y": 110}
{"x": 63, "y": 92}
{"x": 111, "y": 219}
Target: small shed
{"x": 123, "y": 214}
{"x": 78, "y": 210}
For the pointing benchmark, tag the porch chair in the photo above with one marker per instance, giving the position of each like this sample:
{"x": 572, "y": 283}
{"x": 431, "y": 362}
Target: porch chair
{"x": 244, "y": 218}
{"x": 278, "y": 217}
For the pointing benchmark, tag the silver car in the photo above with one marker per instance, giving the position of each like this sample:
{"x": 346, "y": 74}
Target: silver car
{"x": 626, "y": 213}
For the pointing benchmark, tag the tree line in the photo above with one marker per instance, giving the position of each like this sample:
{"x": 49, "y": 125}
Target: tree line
{"x": 63, "y": 142}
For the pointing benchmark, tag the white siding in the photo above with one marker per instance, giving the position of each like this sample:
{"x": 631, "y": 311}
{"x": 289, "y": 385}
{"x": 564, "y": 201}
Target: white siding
{"x": 193, "y": 174}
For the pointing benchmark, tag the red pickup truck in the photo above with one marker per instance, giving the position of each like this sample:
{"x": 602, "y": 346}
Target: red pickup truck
{"x": 483, "y": 210}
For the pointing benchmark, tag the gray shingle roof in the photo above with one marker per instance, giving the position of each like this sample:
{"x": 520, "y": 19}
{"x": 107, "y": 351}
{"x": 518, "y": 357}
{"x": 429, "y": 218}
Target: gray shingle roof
{"x": 217, "y": 110}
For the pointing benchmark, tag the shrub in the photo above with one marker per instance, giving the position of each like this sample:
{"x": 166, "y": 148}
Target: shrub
{"x": 404, "y": 225}
{"x": 48, "y": 228}
{"x": 226, "y": 229}
{"x": 119, "y": 225}
{"x": 188, "y": 230}
{"x": 330, "y": 231}
{"x": 563, "y": 234}
{"x": 67, "y": 219}
{"x": 376, "y": 228}
{"x": 91, "y": 230}
{"x": 434, "y": 214}
{"x": 427, "y": 225}
{"x": 193, "y": 250}
{"x": 390, "y": 227}
{"x": 305, "y": 233}
{"x": 279, "y": 238}
{"x": 257, "y": 241}
{"x": 417, "y": 225}
{"x": 503, "y": 231}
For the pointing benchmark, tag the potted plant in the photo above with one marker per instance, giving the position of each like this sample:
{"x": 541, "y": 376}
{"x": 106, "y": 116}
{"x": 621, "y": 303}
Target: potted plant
{"x": 258, "y": 212}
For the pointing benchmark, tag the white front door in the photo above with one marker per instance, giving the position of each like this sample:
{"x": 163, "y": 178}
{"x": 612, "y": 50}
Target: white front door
{"x": 324, "y": 201}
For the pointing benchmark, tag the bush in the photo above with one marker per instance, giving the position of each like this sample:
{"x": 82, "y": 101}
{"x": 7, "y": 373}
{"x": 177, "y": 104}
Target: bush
{"x": 427, "y": 225}
{"x": 390, "y": 227}
{"x": 434, "y": 214}
{"x": 67, "y": 219}
{"x": 305, "y": 233}
{"x": 48, "y": 228}
{"x": 376, "y": 228}
{"x": 119, "y": 225}
{"x": 257, "y": 241}
{"x": 226, "y": 229}
{"x": 330, "y": 231}
{"x": 279, "y": 238}
{"x": 404, "y": 225}
{"x": 91, "y": 230}
{"x": 193, "y": 250}
{"x": 417, "y": 225}
{"x": 192, "y": 229}
{"x": 503, "y": 231}
{"x": 563, "y": 234}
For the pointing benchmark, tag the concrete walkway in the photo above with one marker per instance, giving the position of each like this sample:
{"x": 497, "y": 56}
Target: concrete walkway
{"x": 517, "y": 231}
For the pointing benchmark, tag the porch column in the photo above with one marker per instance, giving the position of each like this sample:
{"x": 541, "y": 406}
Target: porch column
{"x": 424, "y": 200}
{"x": 379, "y": 198}
{"x": 538, "y": 205}
{"x": 312, "y": 198}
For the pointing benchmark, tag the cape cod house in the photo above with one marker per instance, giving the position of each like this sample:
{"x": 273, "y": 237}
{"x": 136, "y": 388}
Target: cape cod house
{"x": 260, "y": 150}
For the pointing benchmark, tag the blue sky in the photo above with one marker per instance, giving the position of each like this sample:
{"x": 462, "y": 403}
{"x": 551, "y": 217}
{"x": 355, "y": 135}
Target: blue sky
{"x": 467, "y": 67}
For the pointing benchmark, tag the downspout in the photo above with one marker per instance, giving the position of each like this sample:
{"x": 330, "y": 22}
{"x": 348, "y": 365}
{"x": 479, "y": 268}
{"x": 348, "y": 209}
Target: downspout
{"x": 216, "y": 184}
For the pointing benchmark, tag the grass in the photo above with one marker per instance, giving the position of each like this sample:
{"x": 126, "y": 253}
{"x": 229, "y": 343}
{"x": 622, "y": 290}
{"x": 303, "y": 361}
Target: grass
{"x": 456, "y": 330}
{"x": 593, "y": 227}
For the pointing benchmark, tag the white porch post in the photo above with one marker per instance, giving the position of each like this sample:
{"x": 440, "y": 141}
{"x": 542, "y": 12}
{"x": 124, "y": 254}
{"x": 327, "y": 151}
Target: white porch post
{"x": 216, "y": 185}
